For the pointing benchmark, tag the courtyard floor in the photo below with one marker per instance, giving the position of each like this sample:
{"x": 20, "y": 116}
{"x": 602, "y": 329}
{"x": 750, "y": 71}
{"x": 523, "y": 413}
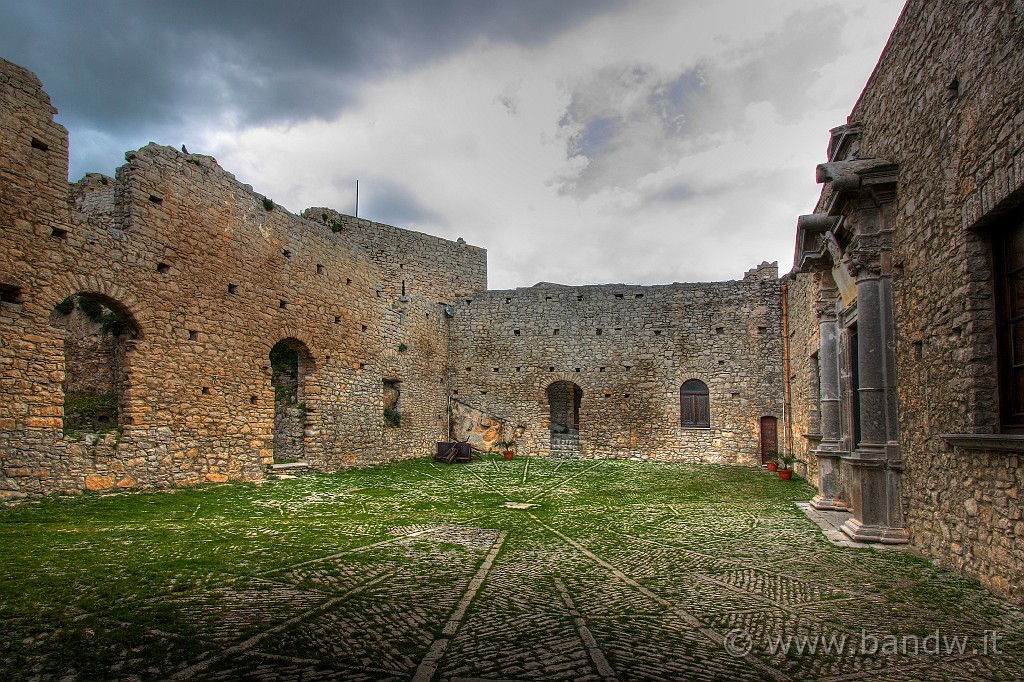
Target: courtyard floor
{"x": 521, "y": 570}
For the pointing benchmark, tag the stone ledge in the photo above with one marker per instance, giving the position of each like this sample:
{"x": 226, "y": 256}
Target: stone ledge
{"x": 986, "y": 441}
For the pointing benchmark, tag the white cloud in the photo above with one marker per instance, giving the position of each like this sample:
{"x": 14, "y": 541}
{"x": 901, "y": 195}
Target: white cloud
{"x": 700, "y": 182}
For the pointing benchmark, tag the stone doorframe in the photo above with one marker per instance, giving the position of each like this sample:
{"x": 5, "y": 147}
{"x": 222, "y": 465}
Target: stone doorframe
{"x": 849, "y": 246}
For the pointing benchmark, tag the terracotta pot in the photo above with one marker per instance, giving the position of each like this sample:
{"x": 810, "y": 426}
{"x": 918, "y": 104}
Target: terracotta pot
{"x": 507, "y": 455}
{"x": 772, "y": 466}
{"x": 785, "y": 474}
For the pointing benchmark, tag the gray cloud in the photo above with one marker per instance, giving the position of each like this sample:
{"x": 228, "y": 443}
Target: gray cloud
{"x": 127, "y": 70}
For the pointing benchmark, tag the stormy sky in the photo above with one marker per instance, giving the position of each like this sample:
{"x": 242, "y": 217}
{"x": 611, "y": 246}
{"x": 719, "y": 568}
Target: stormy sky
{"x": 579, "y": 141}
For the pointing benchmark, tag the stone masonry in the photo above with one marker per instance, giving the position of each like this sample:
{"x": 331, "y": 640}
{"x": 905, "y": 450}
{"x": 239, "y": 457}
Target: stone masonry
{"x": 945, "y": 108}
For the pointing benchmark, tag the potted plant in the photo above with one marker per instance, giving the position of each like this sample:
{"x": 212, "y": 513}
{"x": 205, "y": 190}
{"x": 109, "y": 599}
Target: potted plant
{"x": 772, "y": 463}
{"x": 785, "y": 470}
{"x": 507, "y": 448}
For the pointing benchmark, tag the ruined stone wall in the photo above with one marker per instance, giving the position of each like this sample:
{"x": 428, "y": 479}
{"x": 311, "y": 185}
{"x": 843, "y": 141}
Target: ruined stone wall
{"x": 946, "y": 104}
{"x": 802, "y": 328}
{"x": 630, "y": 348}
{"x": 211, "y": 276}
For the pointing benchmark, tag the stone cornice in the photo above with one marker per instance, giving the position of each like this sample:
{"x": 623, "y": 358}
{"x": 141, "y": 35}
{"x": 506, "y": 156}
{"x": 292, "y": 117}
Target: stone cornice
{"x": 986, "y": 441}
{"x": 811, "y": 249}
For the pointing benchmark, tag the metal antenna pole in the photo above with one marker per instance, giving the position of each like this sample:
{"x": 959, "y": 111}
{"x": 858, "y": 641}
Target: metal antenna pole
{"x": 357, "y": 198}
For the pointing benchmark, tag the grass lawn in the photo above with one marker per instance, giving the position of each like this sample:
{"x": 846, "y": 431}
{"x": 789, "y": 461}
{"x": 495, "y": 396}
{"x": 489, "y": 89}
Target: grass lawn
{"x": 597, "y": 570}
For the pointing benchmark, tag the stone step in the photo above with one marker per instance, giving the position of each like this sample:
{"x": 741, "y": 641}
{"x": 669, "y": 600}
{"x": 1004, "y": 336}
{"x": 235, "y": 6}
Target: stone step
{"x": 289, "y": 468}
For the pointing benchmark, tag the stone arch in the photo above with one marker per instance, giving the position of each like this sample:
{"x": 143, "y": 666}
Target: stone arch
{"x": 98, "y": 334}
{"x": 122, "y": 301}
{"x": 292, "y": 366}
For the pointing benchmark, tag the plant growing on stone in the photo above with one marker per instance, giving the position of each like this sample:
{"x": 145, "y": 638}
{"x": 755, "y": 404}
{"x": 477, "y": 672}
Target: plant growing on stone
{"x": 268, "y": 204}
{"x": 392, "y": 417}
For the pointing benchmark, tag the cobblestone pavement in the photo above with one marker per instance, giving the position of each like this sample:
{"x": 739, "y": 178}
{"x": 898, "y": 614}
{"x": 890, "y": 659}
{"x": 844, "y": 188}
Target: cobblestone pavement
{"x": 521, "y": 570}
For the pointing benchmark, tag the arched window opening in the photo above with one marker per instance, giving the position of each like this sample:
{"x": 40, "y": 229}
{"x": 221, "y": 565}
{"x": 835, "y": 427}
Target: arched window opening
{"x": 290, "y": 364}
{"x": 98, "y": 335}
{"x": 694, "y": 405}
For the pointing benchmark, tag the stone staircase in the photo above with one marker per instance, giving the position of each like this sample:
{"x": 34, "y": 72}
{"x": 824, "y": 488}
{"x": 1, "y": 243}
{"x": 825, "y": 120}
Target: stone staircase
{"x": 565, "y": 445}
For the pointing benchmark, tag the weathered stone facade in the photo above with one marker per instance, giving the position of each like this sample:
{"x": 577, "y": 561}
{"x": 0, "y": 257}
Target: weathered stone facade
{"x": 920, "y": 186}
{"x": 630, "y": 349}
{"x": 210, "y": 276}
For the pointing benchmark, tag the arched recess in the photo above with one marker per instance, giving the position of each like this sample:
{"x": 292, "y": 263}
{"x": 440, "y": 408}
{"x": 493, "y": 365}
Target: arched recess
{"x": 99, "y": 340}
{"x": 291, "y": 365}
{"x": 564, "y": 401}
{"x": 694, "y": 405}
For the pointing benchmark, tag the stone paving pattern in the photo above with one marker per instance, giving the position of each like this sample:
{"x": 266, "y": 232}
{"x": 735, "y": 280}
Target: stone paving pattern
{"x": 416, "y": 571}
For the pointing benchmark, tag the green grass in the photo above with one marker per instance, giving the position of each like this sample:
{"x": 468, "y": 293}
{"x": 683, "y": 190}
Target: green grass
{"x": 145, "y": 584}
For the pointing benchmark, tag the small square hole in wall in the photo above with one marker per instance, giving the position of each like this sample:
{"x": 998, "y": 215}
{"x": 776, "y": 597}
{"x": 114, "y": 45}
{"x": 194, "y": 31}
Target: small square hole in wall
{"x": 515, "y": 332}
{"x": 519, "y": 369}
{"x": 508, "y": 300}
{"x": 495, "y": 369}
{"x": 327, "y": 358}
{"x": 39, "y": 144}
{"x": 918, "y": 350}
{"x": 253, "y": 400}
{"x": 577, "y": 369}
{"x": 206, "y": 390}
{"x": 551, "y": 369}
{"x": 468, "y": 301}
{"x": 556, "y": 332}
{"x": 628, "y": 367}
{"x": 469, "y": 369}
{"x": 639, "y": 296}
{"x": 721, "y": 362}
{"x": 193, "y": 335}
{"x": 579, "y": 298}
{"x": 362, "y": 328}
{"x": 625, "y": 395}
{"x": 378, "y": 293}
{"x": 547, "y": 298}
{"x": 348, "y": 281}
{"x": 286, "y": 253}
{"x": 337, "y": 319}
{"x": 607, "y": 395}
{"x": 719, "y": 330}
{"x": 12, "y": 294}
{"x": 600, "y": 369}
{"x": 158, "y": 200}
{"x": 483, "y": 392}
{"x": 455, "y": 391}
{"x": 735, "y": 394}
{"x": 762, "y": 330}
{"x": 282, "y": 304}
{"x": 619, "y": 296}
{"x": 233, "y": 289}
{"x": 59, "y": 233}
{"x": 320, "y": 269}
{"x": 618, "y": 329}
{"x": 362, "y": 365}
{"x": 657, "y": 332}
{"x": 599, "y": 331}
{"x": 163, "y": 268}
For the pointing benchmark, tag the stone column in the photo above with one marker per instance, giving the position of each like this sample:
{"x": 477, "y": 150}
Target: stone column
{"x": 874, "y": 465}
{"x": 828, "y": 452}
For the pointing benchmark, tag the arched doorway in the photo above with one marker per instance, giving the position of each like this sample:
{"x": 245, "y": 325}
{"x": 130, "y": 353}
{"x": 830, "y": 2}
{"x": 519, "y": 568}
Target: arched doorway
{"x": 769, "y": 438}
{"x": 564, "y": 400}
{"x": 98, "y": 338}
{"x": 290, "y": 365}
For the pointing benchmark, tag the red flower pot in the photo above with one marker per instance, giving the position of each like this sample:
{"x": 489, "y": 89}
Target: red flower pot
{"x": 772, "y": 466}
{"x": 507, "y": 455}
{"x": 785, "y": 474}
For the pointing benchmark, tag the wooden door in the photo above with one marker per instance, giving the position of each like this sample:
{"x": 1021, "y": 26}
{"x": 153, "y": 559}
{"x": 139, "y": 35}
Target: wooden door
{"x": 769, "y": 438}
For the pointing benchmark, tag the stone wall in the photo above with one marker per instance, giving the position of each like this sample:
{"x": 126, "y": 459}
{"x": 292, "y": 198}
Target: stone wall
{"x": 211, "y": 275}
{"x": 629, "y": 348}
{"x": 945, "y": 103}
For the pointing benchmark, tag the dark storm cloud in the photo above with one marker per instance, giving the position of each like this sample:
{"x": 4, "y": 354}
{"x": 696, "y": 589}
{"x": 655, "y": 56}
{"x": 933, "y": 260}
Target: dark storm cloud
{"x": 117, "y": 66}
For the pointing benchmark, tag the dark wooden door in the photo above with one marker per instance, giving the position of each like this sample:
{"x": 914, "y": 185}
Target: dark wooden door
{"x": 769, "y": 438}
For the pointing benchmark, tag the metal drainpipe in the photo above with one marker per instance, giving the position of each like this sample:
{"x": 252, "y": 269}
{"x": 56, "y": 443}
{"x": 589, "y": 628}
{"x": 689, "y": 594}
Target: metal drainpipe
{"x": 787, "y": 436}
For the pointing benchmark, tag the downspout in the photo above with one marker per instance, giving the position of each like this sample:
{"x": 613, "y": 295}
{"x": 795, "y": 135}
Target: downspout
{"x": 787, "y": 427}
